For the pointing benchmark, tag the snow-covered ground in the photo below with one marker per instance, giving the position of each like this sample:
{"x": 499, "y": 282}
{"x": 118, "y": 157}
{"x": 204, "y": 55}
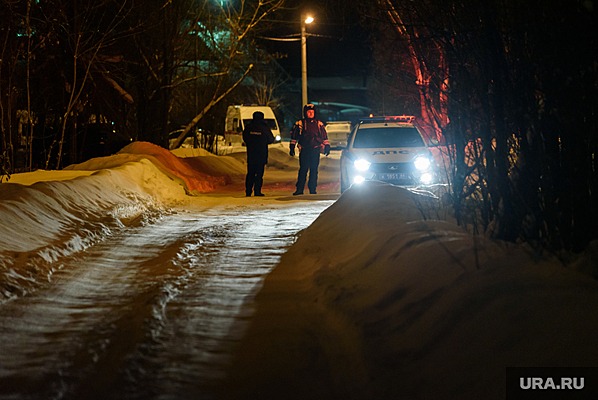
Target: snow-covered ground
{"x": 381, "y": 297}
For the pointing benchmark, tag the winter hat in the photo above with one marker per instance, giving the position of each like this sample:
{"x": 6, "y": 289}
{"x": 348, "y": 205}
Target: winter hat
{"x": 258, "y": 115}
{"x": 309, "y": 107}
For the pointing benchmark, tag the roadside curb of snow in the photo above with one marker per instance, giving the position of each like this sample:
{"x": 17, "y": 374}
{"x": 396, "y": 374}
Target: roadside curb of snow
{"x": 430, "y": 310}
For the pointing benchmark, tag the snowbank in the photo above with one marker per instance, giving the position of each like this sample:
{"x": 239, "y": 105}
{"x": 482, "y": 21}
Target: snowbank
{"x": 45, "y": 215}
{"x": 376, "y": 302}
{"x": 44, "y": 220}
{"x": 178, "y": 169}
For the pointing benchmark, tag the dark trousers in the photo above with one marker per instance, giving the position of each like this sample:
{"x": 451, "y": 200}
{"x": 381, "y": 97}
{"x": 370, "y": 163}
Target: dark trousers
{"x": 254, "y": 178}
{"x": 309, "y": 161}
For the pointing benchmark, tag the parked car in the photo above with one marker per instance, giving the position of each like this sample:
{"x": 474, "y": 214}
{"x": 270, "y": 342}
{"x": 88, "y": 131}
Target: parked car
{"x": 338, "y": 133}
{"x": 388, "y": 149}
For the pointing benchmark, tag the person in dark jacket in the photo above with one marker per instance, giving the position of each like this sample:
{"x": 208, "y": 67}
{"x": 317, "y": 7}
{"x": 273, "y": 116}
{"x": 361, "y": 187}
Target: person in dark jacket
{"x": 310, "y": 136}
{"x": 257, "y": 136}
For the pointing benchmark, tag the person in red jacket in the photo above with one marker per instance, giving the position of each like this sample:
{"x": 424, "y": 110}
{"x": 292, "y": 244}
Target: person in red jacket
{"x": 310, "y": 136}
{"x": 257, "y": 136}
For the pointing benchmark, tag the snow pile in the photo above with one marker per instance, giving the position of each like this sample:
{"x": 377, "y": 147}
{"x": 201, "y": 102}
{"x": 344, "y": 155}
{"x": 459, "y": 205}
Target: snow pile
{"x": 178, "y": 169}
{"x": 45, "y": 215}
{"x": 377, "y": 301}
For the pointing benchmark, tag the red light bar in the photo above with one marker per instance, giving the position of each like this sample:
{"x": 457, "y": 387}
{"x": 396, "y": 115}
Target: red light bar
{"x": 400, "y": 118}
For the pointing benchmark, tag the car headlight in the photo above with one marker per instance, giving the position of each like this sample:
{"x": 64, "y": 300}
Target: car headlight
{"x": 426, "y": 178}
{"x": 422, "y": 163}
{"x": 358, "y": 179}
{"x": 361, "y": 164}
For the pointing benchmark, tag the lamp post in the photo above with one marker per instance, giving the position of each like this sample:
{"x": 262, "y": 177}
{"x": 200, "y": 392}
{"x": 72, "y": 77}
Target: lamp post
{"x": 306, "y": 19}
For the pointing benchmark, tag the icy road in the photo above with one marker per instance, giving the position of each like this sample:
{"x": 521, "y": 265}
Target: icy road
{"x": 151, "y": 313}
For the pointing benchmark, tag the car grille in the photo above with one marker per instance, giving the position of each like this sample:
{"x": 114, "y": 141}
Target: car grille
{"x": 392, "y": 167}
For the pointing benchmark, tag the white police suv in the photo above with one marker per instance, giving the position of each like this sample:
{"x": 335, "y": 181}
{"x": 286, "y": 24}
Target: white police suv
{"x": 387, "y": 149}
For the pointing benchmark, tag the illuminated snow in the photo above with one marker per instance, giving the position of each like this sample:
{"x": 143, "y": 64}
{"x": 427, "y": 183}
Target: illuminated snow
{"x": 381, "y": 297}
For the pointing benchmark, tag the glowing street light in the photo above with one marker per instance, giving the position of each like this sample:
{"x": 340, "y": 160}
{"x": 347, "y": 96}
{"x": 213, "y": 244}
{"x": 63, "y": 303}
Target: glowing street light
{"x": 307, "y": 19}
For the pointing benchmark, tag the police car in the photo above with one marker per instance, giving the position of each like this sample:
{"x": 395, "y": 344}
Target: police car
{"x": 387, "y": 149}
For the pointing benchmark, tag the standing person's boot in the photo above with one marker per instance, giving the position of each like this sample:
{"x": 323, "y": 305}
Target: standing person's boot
{"x": 257, "y": 186}
{"x": 299, "y": 186}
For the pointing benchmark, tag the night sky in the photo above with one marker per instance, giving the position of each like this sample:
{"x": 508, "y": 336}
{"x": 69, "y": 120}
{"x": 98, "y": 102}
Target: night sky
{"x": 336, "y": 43}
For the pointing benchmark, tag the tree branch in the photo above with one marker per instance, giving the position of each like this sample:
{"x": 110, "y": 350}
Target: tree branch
{"x": 211, "y": 104}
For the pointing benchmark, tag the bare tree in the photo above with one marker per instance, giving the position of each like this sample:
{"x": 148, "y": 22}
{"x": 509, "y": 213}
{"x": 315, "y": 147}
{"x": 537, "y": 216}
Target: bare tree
{"x": 517, "y": 172}
{"x": 129, "y": 59}
{"x": 16, "y": 116}
{"x": 266, "y": 83}
{"x": 86, "y": 30}
{"x": 433, "y": 107}
{"x": 227, "y": 37}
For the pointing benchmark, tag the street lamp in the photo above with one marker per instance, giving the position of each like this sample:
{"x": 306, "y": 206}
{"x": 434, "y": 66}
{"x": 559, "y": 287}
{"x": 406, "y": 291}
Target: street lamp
{"x": 306, "y": 19}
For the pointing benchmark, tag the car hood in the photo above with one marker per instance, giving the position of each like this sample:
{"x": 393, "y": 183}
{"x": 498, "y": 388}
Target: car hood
{"x": 388, "y": 155}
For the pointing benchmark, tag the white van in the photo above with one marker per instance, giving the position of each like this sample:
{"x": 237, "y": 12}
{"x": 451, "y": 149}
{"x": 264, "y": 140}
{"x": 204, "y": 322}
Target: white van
{"x": 237, "y": 117}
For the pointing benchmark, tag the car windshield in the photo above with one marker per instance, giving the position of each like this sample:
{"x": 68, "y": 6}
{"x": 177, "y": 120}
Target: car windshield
{"x": 390, "y": 136}
{"x": 269, "y": 121}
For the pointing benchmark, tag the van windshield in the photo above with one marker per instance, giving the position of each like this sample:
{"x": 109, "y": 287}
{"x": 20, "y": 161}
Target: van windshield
{"x": 270, "y": 121}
